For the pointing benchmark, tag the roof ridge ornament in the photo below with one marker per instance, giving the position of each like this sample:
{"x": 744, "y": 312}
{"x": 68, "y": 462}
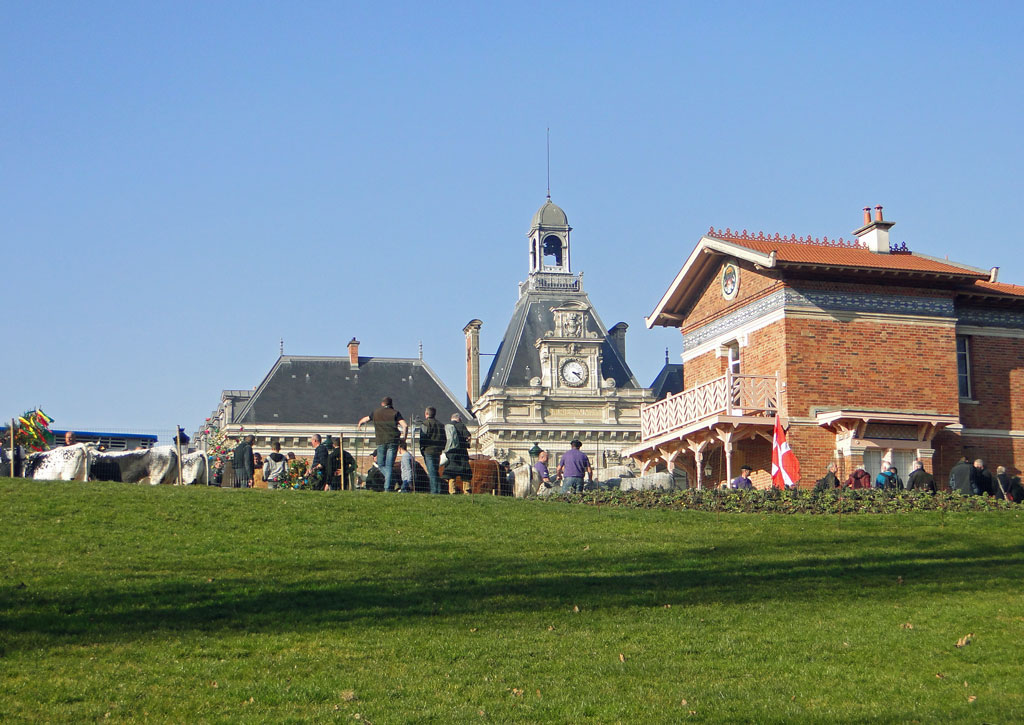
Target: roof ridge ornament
{"x": 824, "y": 241}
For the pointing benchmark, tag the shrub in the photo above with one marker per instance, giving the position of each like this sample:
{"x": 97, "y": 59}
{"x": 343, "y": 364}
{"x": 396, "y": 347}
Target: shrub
{"x": 776, "y": 501}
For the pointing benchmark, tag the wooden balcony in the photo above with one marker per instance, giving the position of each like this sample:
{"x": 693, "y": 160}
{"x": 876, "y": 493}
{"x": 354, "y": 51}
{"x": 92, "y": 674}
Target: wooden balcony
{"x": 743, "y": 396}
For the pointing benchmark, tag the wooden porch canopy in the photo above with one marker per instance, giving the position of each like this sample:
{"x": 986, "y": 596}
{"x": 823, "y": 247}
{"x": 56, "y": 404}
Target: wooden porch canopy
{"x": 724, "y": 410}
{"x": 697, "y": 438}
{"x": 893, "y": 429}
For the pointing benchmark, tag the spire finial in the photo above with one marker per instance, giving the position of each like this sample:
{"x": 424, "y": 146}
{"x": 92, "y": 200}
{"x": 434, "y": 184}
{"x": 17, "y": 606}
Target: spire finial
{"x": 282, "y": 346}
{"x": 549, "y": 163}
{"x": 666, "y": 356}
{"x": 421, "y": 349}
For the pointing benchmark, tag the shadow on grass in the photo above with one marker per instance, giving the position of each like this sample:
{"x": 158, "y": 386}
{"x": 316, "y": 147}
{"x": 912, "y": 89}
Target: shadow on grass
{"x": 277, "y": 598}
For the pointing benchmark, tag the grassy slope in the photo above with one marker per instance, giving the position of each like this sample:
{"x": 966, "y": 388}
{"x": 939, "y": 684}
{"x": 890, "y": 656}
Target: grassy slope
{"x": 216, "y": 605}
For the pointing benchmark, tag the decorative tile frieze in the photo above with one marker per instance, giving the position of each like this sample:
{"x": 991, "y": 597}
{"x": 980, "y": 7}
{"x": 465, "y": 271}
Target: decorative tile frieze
{"x": 734, "y": 320}
{"x": 990, "y": 318}
{"x": 870, "y": 302}
{"x": 793, "y": 299}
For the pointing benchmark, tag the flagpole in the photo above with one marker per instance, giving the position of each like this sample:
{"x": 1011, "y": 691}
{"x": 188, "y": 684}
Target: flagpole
{"x": 841, "y": 487}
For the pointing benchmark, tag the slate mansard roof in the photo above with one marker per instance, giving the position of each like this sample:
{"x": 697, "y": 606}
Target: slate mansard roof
{"x": 518, "y": 359}
{"x": 669, "y": 381}
{"x": 329, "y": 391}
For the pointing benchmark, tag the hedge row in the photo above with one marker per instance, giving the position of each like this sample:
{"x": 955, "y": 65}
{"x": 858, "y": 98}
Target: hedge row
{"x": 861, "y": 501}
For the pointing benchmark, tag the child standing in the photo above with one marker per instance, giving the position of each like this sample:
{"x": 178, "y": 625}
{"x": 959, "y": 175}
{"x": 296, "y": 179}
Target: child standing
{"x": 405, "y": 460}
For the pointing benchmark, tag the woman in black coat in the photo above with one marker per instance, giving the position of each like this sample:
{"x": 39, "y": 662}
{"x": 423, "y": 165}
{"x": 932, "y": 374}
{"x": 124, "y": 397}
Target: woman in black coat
{"x": 456, "y": 449}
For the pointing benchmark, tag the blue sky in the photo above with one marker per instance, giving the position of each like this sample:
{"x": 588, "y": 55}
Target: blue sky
{"x": 184, "y": 184}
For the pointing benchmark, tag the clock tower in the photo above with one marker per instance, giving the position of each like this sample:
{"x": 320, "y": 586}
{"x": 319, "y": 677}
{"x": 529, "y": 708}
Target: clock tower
{"x": 558, "y": 374}
{"x": 570, "y": 355}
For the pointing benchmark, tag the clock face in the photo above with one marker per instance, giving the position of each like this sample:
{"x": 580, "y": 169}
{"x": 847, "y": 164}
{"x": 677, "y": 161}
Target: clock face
{"x": 574, "y": 373}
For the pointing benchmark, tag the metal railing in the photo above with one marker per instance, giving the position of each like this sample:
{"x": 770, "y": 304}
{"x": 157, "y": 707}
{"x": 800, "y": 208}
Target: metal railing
{"x": 731, "y": 394}
{"x": 551, "y": 282}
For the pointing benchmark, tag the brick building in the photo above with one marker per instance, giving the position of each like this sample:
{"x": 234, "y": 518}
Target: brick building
{"x": 868, "y": 351}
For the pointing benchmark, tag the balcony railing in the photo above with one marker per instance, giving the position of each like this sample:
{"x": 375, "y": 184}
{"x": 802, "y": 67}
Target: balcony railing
{"x": 738, "y": 395}
{"x": 552, "y": 282}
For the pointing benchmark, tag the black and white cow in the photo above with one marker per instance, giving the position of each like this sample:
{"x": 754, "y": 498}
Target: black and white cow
{"x": 159, "y": 465}
{"x": 195, "y": 469}
{"x": 67, "y": 463}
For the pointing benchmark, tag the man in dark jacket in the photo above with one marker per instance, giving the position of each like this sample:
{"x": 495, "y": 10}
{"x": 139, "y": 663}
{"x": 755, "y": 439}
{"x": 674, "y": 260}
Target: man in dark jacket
{"x": 983, "y": 483}
{"x": 457, "y": 470}
{"x": 318, "y": 468}
{"x": 374, "y": 476}
{"x": 1003, "y": 482}
{"x": 920, "y": 479}
{"x": 960, "y": 477}
{"x": 331, "y": 479}
{"x": 829, "y": 481}
{"x": 349, "y": 467}
{"x": 244, "y": 463}
{"x": 432, "y": 441}
{"x": 1016, "y": 490}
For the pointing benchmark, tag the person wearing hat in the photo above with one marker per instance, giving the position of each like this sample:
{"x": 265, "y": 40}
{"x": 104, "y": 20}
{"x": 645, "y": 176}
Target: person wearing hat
{"x": 571, "y": 468}
{"x": 742, "y": 480}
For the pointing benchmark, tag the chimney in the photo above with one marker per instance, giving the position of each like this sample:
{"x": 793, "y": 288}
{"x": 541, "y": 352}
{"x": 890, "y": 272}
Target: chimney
{"x": 353, "y": 353}
{"x": 874, "y": 235}
{"x": 472, "y": 331}
{"x": 618, "y": 337}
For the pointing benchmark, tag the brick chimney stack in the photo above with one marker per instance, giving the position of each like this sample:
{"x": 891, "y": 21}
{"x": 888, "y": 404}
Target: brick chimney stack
{"x": 353, "y": 353}
{"x": 874, "y": 235}
{"x": 472, "y": 332}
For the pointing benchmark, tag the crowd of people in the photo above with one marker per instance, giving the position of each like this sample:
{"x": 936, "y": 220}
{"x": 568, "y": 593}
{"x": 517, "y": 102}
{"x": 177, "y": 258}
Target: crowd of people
{"x": 968, "y": 479}
{"x": 444, "y": 449}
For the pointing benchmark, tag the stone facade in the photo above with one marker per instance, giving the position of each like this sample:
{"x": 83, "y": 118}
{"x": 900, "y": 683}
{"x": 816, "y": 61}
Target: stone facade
{"x": 559, "y": 373}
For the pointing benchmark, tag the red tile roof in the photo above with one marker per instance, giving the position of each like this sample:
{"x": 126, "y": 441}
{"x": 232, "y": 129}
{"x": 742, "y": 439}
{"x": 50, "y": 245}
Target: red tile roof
{"x": 839, "y": 253}
{"x": 1014, "y": 290}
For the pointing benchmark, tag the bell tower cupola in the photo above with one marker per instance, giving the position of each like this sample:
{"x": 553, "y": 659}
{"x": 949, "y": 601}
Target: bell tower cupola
{"x": 549, "y": 241}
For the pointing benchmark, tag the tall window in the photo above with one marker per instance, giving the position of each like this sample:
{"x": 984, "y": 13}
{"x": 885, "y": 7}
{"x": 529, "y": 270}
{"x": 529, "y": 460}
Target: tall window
{"x": 733, "y": 349}
{"x": 963, "y": 365}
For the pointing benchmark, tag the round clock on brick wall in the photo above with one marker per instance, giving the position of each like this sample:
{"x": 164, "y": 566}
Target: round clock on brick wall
{"x": 730, "y": 281}
{"x": 574, "y": 373}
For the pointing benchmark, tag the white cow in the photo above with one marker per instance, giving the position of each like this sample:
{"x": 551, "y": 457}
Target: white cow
{"x": 159, "y": 465}
{"x": 66, "y": 463}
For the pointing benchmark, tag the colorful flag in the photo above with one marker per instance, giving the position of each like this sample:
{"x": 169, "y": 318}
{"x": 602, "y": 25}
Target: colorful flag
{"x": 785, "y": 466}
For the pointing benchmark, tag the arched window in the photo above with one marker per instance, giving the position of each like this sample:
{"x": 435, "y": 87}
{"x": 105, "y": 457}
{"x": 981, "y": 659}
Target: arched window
{"x": 553, "y": 248}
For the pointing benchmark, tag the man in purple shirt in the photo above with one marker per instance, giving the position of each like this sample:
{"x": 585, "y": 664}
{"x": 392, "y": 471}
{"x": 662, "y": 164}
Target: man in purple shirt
{"x": 743, "y": 480}
{"x": 541, "y": 467}
{"x": 573, "y": 465}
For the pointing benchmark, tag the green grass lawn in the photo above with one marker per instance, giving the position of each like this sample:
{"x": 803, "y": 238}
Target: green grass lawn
{"x": 123, "y": 602}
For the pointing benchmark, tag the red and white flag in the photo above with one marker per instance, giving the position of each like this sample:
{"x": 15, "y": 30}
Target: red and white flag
{"x": 785, "y": 466}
